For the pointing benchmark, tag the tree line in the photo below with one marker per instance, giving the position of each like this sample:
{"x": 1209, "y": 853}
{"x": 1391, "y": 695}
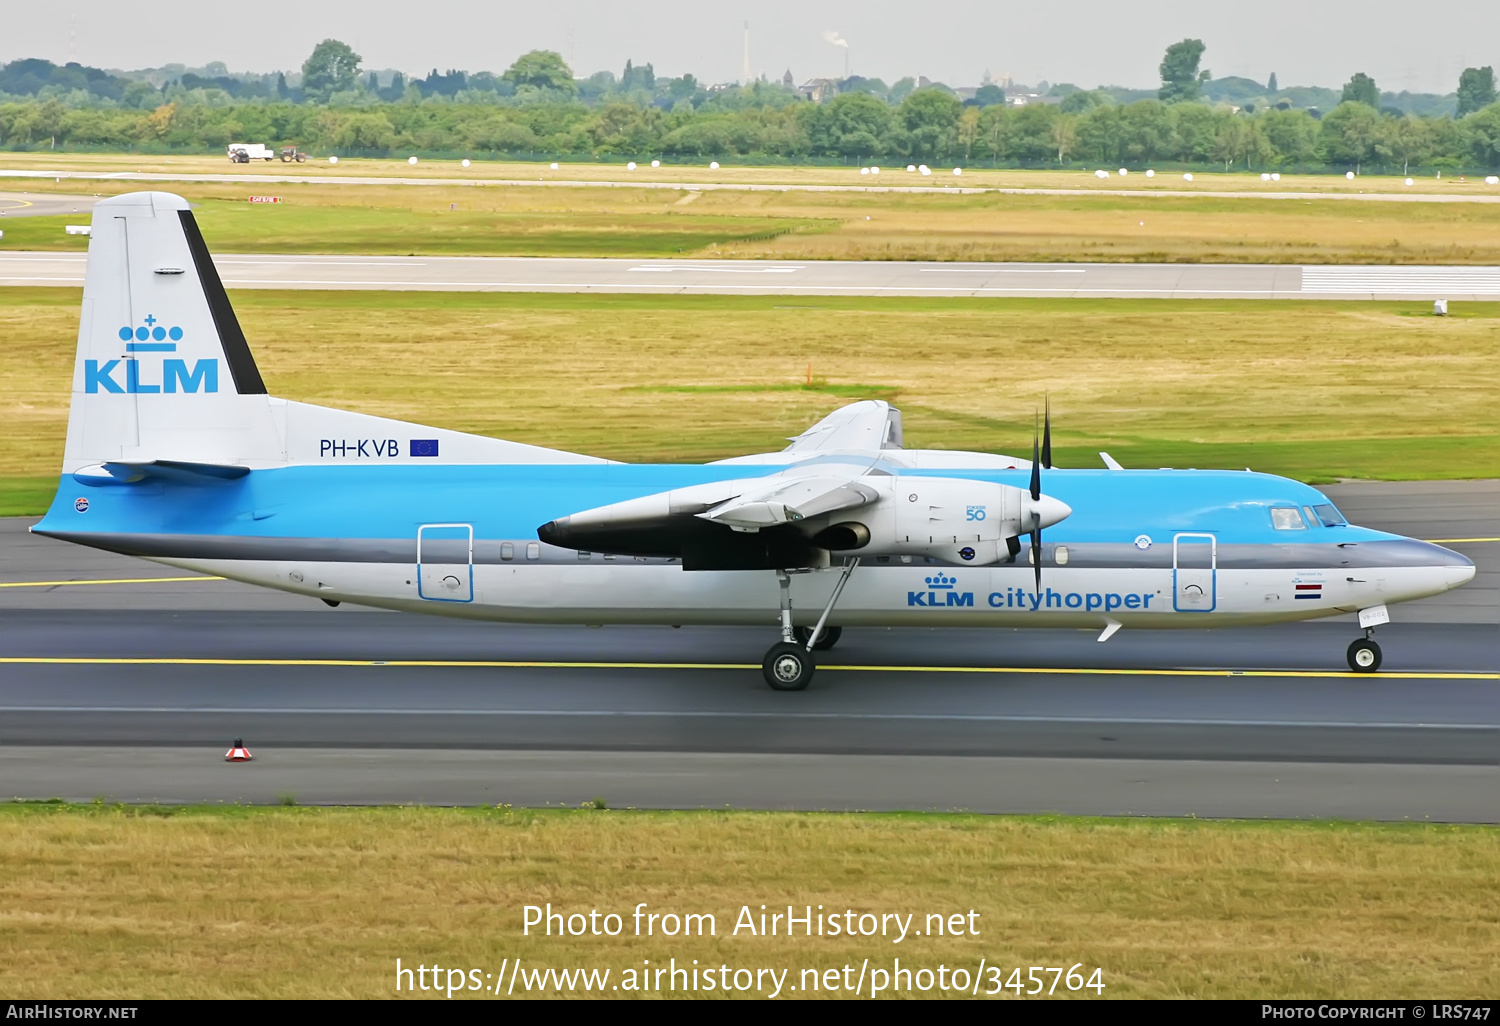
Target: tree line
{"x": 537, "y": 109}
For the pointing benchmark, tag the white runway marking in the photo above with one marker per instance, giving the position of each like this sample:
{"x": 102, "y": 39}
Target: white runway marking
{"x": 721, "y": 269}
{"x": 1002, "y": 270}
{"x": 1401, "y": 280}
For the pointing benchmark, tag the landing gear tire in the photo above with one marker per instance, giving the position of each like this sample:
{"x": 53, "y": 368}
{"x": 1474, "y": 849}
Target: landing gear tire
{"x": 788, "y": 667}
{"x": 826, "y": 640}
{"x": 1364, "y": 656}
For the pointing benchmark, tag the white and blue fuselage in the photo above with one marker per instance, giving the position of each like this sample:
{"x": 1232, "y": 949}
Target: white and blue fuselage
{"x": 1157, "y": 548}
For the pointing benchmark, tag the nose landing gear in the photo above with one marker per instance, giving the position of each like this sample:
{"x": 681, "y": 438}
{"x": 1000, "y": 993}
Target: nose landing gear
{"x": 789, "y": 664}
{"x": 1364, "y": 654}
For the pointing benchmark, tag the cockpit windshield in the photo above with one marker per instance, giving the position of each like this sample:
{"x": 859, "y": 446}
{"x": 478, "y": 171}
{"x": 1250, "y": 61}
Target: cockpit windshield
{"x": 1286, "y": 518}
{"x": 1329, "y": 516}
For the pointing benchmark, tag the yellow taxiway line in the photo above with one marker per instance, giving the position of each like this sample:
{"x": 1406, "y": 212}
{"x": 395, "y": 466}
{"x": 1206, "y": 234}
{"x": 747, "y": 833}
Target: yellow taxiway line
{"x": 1460, "y": 541}
{"x": 597, "y": 665}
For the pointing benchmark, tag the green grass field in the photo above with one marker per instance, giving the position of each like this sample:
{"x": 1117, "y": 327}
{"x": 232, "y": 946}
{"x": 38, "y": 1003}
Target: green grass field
{"x": 624, "y": 222}
{"x": 154, "y": 902}
{"x": 699, "y": 173}
{"x": 1315, "y": 390}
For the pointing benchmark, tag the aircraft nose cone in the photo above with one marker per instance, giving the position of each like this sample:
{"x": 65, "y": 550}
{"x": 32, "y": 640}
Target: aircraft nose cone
{"x": 1050, "y": 511}
{"x": 554, "y": 532}
{"x": 1459, "y": 575}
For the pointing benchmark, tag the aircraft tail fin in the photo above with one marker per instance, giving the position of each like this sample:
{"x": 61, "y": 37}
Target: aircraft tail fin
{"x": 164, "y": 375}
{"x": 163, "y": 369}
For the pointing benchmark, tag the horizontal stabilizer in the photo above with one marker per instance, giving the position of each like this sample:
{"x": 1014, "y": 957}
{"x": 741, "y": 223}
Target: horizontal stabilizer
{"x": 134, "y": 471}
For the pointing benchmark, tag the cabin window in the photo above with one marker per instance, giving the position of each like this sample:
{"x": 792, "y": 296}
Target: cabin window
{"x": 533, "y": 550}
{"x": 507, "y": 550}
{"x": 1287, "y": 518}
{"x": 1329, "y": 516}
{"x": 584, "y": 557}
{"x": 1060, "y": 555}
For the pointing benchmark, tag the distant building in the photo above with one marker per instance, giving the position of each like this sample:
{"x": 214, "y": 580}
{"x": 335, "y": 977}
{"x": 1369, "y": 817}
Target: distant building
{"x": 1024, "y": 98}
{"x": 819, "y": 90}
{"x": 788, "y": 81}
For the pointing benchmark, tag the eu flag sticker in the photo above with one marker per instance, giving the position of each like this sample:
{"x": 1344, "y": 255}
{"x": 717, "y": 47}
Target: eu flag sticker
{"x": 424, "y": 446}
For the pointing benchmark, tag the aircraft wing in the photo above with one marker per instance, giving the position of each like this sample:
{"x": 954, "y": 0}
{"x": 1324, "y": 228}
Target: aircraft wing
{"x": 751, "y": 522}
{"x": 766, "y": 502}
{"x": 798, "y": 516}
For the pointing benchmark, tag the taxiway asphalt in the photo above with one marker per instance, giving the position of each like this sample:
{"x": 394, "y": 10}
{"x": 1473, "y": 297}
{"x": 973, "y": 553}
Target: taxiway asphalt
{"x": 811, "y": 277}
{"x": 41, "y": 204}
{"x": 132, "y": 691}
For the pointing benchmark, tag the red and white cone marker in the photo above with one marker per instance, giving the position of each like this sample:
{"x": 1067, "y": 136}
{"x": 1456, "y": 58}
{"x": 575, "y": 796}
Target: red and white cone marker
{"x": 239, "y": 753}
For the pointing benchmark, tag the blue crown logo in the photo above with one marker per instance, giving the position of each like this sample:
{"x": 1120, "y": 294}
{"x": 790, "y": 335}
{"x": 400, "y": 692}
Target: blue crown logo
{"x": 941, "y": 581}
{"x": 143, "y": 336}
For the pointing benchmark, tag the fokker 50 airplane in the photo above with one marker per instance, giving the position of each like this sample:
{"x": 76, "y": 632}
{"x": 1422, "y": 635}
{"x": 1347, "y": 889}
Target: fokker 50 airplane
{"x": 176, "y": 453}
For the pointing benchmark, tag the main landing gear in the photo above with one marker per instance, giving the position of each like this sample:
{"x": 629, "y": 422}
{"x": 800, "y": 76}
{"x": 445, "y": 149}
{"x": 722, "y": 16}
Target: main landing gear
{"x": 789, "y": 665}
{"x": 829, "y": 638}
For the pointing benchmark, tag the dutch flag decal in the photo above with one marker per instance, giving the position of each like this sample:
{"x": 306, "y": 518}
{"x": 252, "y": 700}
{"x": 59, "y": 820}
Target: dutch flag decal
{"x": 1309, "y": 591}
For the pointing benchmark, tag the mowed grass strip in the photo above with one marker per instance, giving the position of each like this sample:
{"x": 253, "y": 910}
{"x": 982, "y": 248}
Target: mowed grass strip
{"x": 696, "y": 171}
{"x": 622, "y": 222}
{"x": 1315, "y": 390}
{"x": 300, "y": 902}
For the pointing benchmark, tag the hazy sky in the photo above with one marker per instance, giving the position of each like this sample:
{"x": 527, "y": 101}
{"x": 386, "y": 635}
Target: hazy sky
{"x": 1403, "y": 45}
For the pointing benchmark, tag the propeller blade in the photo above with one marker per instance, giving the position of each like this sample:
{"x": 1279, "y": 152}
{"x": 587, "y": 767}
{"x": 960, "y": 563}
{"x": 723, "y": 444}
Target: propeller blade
{"x": 1036, "y": 557}
{"x": 1047, "y": 436}
{"x": 1036, "y": 469}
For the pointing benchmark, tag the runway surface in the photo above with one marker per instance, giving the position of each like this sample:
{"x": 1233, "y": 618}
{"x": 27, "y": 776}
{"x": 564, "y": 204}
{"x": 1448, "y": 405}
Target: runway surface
{"x": 133, "y": 691}
{"x": 835, "y": 278}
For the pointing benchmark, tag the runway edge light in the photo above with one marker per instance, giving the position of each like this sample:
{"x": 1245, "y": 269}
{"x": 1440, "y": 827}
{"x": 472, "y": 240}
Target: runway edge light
{"x": 238, "y": 753}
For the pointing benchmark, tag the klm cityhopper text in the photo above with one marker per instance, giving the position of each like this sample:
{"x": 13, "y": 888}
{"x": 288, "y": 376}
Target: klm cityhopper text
{"x": 942, "y": 593}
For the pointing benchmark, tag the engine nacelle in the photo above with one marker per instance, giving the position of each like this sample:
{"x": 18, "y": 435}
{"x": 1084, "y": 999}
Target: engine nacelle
{"x": 952, "y": 519}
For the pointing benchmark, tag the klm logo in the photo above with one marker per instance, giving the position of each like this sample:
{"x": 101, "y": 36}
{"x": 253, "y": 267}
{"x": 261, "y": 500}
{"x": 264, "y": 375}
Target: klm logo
{"x": 150, "y": 337}
{"x": 940, "y": 592}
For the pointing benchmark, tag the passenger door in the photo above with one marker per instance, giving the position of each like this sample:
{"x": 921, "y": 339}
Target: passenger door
{"x": 1194, "y": 573}
{"x": 445, "y": 562}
